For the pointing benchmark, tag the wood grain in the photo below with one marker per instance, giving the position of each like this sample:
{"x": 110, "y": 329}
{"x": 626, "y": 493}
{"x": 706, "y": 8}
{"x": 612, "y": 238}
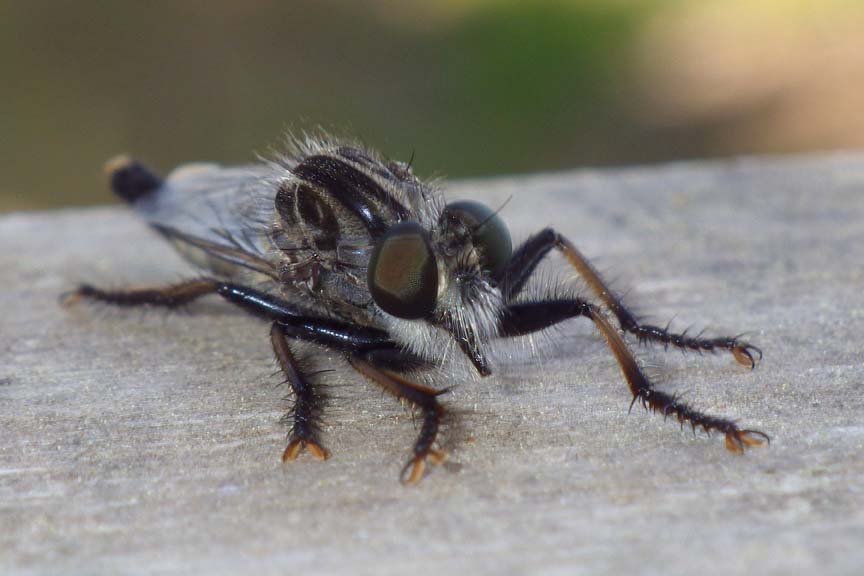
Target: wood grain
{"x": 142, "y": 443}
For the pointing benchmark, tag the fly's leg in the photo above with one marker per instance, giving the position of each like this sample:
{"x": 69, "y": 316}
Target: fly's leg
{"x": 526, "y": 258}
{"x": 171, "y": 296}
{"x": 288, "y": 322}
{"x": 519, "y": 319}
{"x": 422, "y": 398}
{"x": 304, "y": 415}
{"x": 296, "y": 322}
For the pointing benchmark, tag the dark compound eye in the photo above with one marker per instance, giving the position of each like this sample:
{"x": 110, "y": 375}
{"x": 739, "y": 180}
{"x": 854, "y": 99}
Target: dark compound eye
{"x": 488, "y": 232}
{"x": 403, "y": 275}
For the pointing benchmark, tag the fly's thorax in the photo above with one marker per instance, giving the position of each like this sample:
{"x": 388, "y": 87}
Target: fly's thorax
{"x": 365, "y": 238}
{"x": 329, "y": 204}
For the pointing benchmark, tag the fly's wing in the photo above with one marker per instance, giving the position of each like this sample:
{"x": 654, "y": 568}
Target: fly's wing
{"x": 216, "y": 217}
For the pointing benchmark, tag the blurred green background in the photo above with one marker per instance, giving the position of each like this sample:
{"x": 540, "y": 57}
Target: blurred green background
{"x": 471, "y": 87}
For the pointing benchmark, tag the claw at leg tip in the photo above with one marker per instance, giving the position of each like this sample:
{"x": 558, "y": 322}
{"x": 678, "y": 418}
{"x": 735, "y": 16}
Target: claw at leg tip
{"x": 733, "y": 445}
{"x": 69, "y": 299}
{"x": 317, "y": 451}
{"x": 743, "y": 357}
{"x": 413, "y": 472}
{"x": 738, "y": 440}
{"x": 437, "y": 457}
{"x": 292, "y": 451}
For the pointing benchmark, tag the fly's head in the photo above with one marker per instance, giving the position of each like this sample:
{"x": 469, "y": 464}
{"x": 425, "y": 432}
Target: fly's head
{"x": 441, "y": 279}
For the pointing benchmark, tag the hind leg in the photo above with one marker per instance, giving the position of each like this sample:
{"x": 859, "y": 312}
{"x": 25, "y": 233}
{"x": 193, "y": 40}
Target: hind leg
{"x": 171, "y": 296}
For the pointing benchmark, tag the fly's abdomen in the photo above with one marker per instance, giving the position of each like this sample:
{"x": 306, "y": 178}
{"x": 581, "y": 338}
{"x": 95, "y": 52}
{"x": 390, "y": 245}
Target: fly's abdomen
{"x": 131, "y": 180}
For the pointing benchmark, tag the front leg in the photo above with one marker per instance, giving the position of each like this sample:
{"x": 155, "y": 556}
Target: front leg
{"x": 526, "y": 258}
{"x": 519, "y": 319}
{"x": 383, "y": 368}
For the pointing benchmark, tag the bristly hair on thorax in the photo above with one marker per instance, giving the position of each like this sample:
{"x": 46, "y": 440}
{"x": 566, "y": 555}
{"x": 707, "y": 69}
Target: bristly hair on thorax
{"x": 321, "y": 245}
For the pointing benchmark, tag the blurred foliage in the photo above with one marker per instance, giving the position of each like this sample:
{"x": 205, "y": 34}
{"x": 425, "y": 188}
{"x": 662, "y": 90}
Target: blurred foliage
{"x": 472, "y": 88}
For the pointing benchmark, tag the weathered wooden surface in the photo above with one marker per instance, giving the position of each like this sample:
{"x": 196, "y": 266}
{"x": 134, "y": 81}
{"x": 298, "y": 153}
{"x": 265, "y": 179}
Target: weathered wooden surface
{"x": 149, "y": 443}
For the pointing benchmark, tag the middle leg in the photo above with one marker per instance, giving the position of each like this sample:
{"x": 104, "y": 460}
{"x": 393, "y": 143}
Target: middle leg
{"x": 306, "y": 412}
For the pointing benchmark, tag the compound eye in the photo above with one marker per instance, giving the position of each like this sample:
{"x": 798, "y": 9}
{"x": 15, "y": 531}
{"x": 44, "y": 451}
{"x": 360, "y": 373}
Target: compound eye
{"x": 488, "y": 232}
{"x": 403, "y": 274}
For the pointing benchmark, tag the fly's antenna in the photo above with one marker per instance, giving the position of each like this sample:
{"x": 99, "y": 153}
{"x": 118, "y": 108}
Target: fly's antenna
{"x": 495, "y": 213}
{"x": 410, "y": 161}
{"x": 130, "y": 180}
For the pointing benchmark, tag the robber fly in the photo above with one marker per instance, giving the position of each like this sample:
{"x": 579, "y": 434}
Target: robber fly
{"x": 334, "y": 245}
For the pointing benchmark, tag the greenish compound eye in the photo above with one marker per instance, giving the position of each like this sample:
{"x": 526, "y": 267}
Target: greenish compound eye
{"x": 403, "y": 274}
{"x": 488, "y": 232}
